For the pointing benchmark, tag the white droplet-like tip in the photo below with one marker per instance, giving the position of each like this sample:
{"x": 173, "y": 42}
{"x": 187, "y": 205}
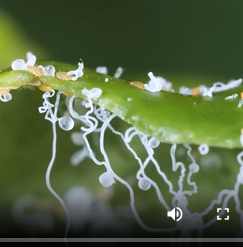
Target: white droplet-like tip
{"x": 106, "y": 179}
{"x": 144, "y": 184}
{"x": 29, "y": 54}
{"x": 93, "y": 93}
{"x": 154, "y": 85}
{"x": 78, "y": 72}
{"x": 6, "y": 97}
{"x": 118, "y": 72}
{"x": 194, "y": 168}
{"x": 66, "y": 123}
{"x": 240, "y": 103}
{"x": 77, "y": 138}
{"x": 203, "y": 149}
{"x": 153, "y": 142}
{"x": 49, "y": 70}
{"x": 31, "y": 59}
{"x": 102, "y": 70}
{"x": 18, "y": 64}
{"x": 180, "y": 200}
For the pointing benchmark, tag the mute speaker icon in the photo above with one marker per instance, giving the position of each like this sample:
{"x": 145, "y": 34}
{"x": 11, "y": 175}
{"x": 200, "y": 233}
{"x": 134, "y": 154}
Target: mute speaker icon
{"x": 175, "y": 214}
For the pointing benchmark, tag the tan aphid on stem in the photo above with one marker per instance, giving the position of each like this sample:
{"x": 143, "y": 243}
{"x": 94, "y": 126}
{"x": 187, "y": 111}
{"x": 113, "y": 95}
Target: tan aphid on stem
{"x": 138, "y": 84}
{"x": 64, "y": 76}
{"x": 45, "y": 88}
{"x": 35, "y": 70}
{"x": 4, "y": 91}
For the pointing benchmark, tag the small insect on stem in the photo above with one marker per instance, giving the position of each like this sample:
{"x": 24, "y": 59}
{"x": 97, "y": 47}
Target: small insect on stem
{"x": 195, "y": 91}
{"x": 35, "y": 70}
{"x": 165, "y": 89}
{"x": 241, "y": 95}
{"x": 138, "y": 84}
{"x": 4, "y": 91}
{"x": 45, "y": 88}
{"x": 64, "y": 76}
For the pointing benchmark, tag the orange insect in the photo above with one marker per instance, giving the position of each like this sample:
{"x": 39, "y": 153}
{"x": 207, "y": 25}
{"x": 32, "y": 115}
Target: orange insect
{"x": 195, "y": 91}
{"x": 43, "y": 87}
{"x": 138, "y": 84}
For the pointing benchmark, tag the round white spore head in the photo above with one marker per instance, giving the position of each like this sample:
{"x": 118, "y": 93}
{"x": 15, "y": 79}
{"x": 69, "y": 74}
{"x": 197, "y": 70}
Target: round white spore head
{"x": 144, "y": 184}
{"x": 153, "y": 142}
{"x": 66, "y": 123}
{"x": 18, "y": 64}
{"x": 6, "y": 97}
{"x": 77, "y": 138}
{"x": 49, "y": 70}
{"x": 106, "y": 179}
{"x": 203, "y": 149}
{"x": 194, "y": 168}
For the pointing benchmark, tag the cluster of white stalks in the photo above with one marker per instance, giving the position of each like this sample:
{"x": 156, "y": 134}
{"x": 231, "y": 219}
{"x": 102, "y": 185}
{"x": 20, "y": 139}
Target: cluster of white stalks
{"x": 97, "y": 120}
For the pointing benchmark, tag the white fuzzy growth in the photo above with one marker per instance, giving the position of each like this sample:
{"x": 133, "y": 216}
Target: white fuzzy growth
{"x": 19, "y": 64}
{"x": 102, "y": 70}
{"x": 6, "y": 97}
{"x": 106, "y": 179}
{"x": 77, "y": 138}
{"x": 79, "y": 156}
{"x": 29, "y": 55}
{"x": 185, "y": 90}
{"x": 208, "y": 92}
{"x": 203, "y": 149}
{"x": 93, "y": 93}
{"x": 219, "y": 86}
{"x": 155, "y": 84}
{"x": 31, "y": 59}
{"x": 240, "y": 103}
{"x": 233, "y": 96}
{"x": 118, "y": 72}
{"x": 78, "y": 72}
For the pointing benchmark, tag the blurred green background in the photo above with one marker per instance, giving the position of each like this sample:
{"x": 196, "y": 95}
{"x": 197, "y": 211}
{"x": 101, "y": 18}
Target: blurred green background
{"x": 176, "y": 39}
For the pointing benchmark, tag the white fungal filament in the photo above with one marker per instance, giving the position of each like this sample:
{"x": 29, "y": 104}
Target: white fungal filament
{"x": 19, "y": 64}
{"x": 94, "y": 120}
{"x": 155, "y": 84}
{"x": 102, "y": 70}
{"x": 52, "y": 117}
{"x": 78, "y": 72}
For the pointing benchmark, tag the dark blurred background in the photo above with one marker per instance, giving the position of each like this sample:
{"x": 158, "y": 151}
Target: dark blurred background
{"x": 198, "y": 38}
{"x": 192, "y": 36}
